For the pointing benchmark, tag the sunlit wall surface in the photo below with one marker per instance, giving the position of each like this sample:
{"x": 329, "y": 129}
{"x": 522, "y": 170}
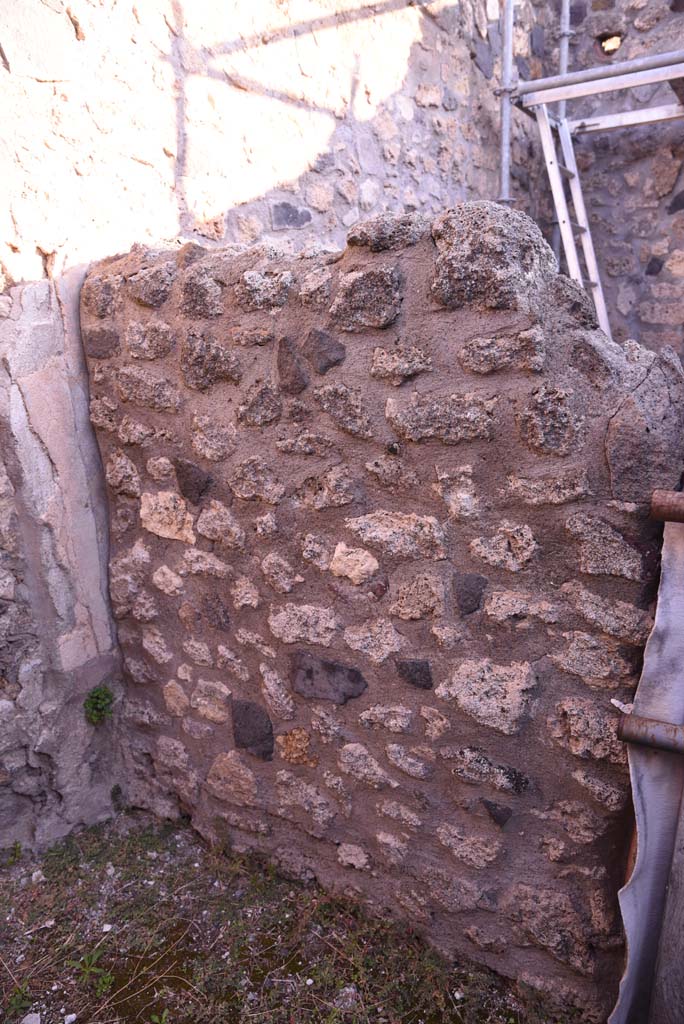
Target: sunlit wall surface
{"x": 287, "y": 119}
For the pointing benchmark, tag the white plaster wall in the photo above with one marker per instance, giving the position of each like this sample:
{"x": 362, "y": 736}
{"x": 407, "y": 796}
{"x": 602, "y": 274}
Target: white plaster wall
{"x": 161, "y": 119}
{"x": 56, "y": 771}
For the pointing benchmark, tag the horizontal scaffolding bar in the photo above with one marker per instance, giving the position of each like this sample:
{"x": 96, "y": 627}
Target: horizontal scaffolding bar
{"x": 656, "y": 60}
{"x": 608, "y": 122}
{"x": 592, "y": 88}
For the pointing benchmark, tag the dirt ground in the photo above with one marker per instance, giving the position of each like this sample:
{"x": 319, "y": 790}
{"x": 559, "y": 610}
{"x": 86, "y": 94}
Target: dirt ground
{"x": 138, "y": 921}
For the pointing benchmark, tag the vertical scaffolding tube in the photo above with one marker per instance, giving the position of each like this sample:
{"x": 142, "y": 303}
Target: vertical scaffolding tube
{"x": 506, "y": 91}
{"x": 563, "y": 48}
{"x": 563, "y": 52}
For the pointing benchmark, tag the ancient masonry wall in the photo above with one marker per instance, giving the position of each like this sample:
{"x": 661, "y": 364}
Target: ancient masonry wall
{"x": 285, "y": 121}
{"x": 380, "y": 557}
{"x": 57, "y": 637}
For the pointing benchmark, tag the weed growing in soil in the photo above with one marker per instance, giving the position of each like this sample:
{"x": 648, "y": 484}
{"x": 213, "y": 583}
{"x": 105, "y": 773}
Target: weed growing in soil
{"x": 137, "y": 922}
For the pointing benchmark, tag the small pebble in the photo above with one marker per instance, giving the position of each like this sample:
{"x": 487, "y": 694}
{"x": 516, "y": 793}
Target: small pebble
{"x": 309, "y": 981}
{"x": 70, "y": 1018}
{"x": 107, "y": 927}
{"x": 38, "y": 876}
{"x": 347, "y": 998}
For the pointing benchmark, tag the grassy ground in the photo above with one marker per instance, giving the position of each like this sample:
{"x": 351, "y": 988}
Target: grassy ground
{"x": 138, "y": 921}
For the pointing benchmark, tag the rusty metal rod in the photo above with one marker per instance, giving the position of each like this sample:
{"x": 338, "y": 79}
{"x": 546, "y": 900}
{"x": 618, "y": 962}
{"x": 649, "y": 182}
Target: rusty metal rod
{"x": 649, "y": 732}
{"x": 668, "y": 506}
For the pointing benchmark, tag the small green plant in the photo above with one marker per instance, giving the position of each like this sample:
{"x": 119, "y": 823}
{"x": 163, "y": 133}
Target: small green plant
{"x": 14, "y": 854}
{"x": 104, "y": 983}
{"x": 88, "y": 968}
{"x": 98, "y": 705}
{"x": 163, "y": 1019}
{"x": 19, "y": 1001}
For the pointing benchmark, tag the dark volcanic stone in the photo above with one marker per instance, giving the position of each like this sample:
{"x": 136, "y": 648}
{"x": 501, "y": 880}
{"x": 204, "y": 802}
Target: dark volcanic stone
{"x": 150, "y": 340}
{"x": 416, "y": 673}
{"x": 677, "y": 203}
{"x": 538, "y": 41}
{"x": 216, "y": 612}
{"x": 252, "y": 729}
{"x": 516, "y": 780}
{"x": 323, "y": 162}
{"x": 193, "y": 482}
{"x": 204, "y": 362}
{"x": 469, "y": 588}
{"x": 654, "y": 265}
{"x": 291, "y": 369}
{"x": 578, "y": 13}
{"x": 484, "y": 58}
{"x": 324, "y": 680}
{"x": 100, "y": 342}
{"x": 323, "y": 351}
{"x": 523, "y": 68}
{"x": 285, "y": 215}
{"x": 497, "y": 812}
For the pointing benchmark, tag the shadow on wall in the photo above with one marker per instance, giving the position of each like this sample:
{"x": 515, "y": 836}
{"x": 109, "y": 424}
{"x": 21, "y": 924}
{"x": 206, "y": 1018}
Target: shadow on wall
{"x": 292, "y": 118}
{"x": 417, "y": 130}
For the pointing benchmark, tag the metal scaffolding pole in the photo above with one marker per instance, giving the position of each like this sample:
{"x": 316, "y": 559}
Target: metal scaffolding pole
{"x": 563, "y": 55}
{"x": 612, "y": 83}
{"x": 506, "y": 102}
{"x": 564, "y": 48}
{"x": 658, "y": 60}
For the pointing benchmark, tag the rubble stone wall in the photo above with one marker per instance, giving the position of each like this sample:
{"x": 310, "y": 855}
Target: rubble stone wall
{"x": 380, "y": 559}
{"x": 164, "y": 120}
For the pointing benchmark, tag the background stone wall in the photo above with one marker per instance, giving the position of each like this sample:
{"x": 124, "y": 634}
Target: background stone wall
{"x": 281, "y": 119}
{"x": 289, "y": 120}
{"x": 634, "y": 179}
{"x": 380, "y": 558}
